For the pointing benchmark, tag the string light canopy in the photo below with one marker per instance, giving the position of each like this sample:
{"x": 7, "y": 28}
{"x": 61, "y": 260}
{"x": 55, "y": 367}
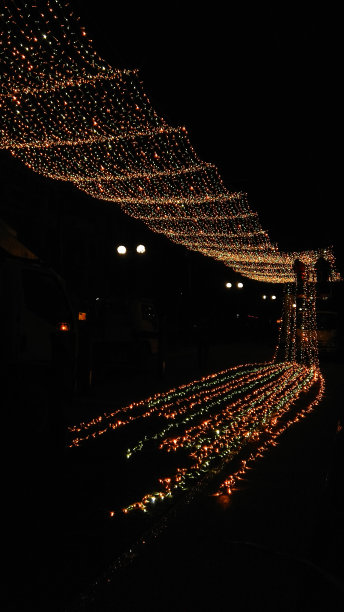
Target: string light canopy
{"x": 68, "y": 115}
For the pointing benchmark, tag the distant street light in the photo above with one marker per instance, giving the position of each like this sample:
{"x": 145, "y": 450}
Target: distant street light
{"x": 264, "y": 297}
{"x": 228, "y": 285}
{"x": 121, "y": 249}
{"x": 240, "y": 285}
{"x": 273, "y": 297}
{"x": 140, "y": 248}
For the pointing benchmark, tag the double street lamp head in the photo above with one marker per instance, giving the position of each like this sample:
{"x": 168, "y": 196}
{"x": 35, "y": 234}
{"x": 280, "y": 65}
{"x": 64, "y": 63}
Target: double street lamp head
{"x": 122, "y": 250}
{"x": 239, "y": 285}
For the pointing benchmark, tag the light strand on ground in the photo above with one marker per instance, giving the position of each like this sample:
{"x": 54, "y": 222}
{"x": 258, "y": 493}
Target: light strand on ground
{"x": 276, "y": 430}
{"x": 223, "y": 437}
{"x": 210, "y": 422}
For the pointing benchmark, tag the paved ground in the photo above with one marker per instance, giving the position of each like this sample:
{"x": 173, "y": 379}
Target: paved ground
{"x": 121, "y": 386}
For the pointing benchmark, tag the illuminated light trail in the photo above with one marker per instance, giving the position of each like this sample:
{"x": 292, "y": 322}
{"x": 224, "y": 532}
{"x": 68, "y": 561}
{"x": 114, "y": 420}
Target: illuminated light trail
{"x": 238, "y": 387}
{"x": 221, "y": 437}
{"x": 205, "y": 424}
{"x": 211, "y": 421}
{"x": 235, "y": 414}
{"x": 275, "y": 431}
{"x": 173, "y": 402}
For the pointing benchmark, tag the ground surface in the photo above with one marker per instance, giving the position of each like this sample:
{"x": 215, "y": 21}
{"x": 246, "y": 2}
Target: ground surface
{"x": 275, "y": 544}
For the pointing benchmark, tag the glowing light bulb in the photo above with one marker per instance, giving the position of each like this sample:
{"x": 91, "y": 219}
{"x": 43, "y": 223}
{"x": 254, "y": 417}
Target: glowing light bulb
{"x": 121, "y": 249}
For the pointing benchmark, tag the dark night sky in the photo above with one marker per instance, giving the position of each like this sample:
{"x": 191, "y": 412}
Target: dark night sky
{"x": 255, "y": 87}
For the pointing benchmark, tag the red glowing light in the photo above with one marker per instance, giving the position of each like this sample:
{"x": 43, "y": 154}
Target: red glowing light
{"x": 65, "y": 327}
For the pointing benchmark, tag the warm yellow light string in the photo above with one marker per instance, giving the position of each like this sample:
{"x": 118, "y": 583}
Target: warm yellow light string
{"x": 69, "y": 115}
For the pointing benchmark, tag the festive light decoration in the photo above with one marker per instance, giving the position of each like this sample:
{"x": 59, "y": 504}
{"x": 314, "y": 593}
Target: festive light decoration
{"x": 69, "y": 115}
{"x": 166, "y": 405}
{"x": 212, "y": 420}
{"x": 236, "y": 413}
{"x": 298, "y": 331}
{"x": 275, "y": 430}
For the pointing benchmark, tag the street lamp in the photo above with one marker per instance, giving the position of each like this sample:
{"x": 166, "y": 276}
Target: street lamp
{"x": 121, "y": 249}
{"x": 273, "y": 297}
{"x": 228, "y": 285}
{"x": 140, "y": 248}
{"x": 240, "y": 285}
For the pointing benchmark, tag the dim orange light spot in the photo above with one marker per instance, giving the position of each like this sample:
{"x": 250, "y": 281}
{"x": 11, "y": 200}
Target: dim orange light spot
{"x": 82, "y": 316}
{"x": 63, "y": 327}
{"x": 223, "y": 501}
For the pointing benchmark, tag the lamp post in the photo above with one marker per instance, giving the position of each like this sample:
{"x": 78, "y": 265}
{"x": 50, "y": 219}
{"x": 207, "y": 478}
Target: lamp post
{"x": 129, "y": 276}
